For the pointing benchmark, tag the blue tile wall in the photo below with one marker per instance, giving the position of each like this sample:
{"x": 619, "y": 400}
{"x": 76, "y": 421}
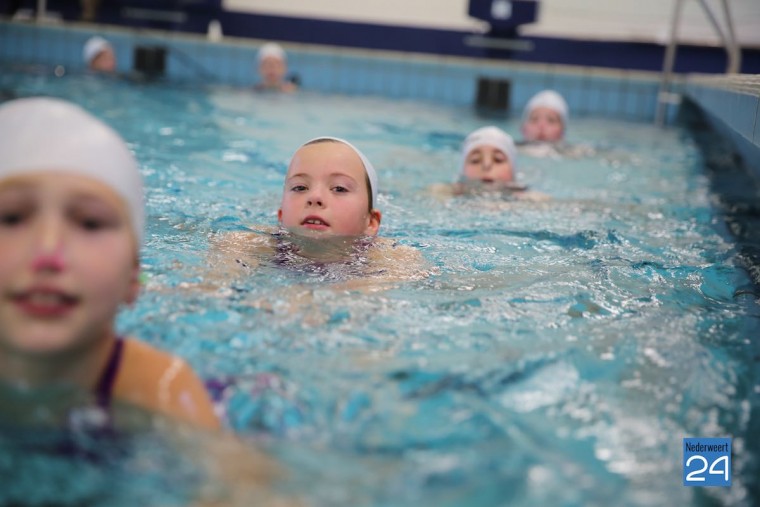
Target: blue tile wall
{"x": 447, "y": 80}
{"x": 732, "y": 104}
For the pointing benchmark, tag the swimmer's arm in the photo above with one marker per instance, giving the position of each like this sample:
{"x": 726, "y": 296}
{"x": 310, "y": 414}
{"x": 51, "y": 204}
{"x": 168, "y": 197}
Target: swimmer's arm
{"x": 395, "y": 262}
{"x": 442, "y": 190}
{"x": 532, "y": 196}
{"x": 231, "y": 255}
{"x": 389, "y": 264}
{"x": 231, "y": 251}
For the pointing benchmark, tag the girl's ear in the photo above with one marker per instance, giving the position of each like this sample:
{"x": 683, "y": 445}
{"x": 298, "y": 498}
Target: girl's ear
{"x": 133, "y": 290}
{"x": 373, "y": 224}
{"x": 279, "y": 215}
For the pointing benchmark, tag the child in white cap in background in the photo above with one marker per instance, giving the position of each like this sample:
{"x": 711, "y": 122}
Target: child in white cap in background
{"x": 545, "y": 118}
{"x": 488, "y": 165}
{"x": 71, "y": 228}
{"x": 544, "y": 125}
{"x": 273, "y": 68}
{"x": 328, "y": 222}
{"x": 99, "y": 55}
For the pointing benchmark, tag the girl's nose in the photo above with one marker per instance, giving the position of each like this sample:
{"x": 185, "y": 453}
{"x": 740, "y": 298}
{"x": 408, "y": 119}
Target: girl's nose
{"x": 49, "y": 249}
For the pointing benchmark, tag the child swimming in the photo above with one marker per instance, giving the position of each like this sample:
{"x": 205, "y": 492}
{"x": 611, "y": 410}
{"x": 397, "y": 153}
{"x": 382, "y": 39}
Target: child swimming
{"x": 545, "y": 117}
{"x": 71, "y": 228}
{"x": 99, "y": 55}
{"x": 273, "y": 69}
{"x": 544, "y": 125}
{"x": 488, "y": 166}
{"x": 328, "y": 221}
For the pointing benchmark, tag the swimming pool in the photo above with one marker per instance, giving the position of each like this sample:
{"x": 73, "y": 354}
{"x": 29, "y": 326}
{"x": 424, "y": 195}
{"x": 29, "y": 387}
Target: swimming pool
{"x": 558, "y": 356}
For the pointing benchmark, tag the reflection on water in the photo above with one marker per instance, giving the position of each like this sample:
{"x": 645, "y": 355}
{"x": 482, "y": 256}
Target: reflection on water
{"x": 558, "y": 355}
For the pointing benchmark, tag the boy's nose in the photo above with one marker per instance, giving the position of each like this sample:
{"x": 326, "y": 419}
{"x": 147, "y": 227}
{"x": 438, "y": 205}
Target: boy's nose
{"x": 314, "y": 198}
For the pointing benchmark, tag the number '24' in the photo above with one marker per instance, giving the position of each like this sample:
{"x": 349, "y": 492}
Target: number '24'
{"x": 692, "y": 476}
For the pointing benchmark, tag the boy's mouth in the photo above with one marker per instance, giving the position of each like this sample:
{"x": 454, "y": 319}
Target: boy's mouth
{"x": 315, "y": 223}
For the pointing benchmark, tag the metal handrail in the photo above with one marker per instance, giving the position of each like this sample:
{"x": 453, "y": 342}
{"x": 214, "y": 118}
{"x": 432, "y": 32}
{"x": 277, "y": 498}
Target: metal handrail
{"x": 664, "y": 96}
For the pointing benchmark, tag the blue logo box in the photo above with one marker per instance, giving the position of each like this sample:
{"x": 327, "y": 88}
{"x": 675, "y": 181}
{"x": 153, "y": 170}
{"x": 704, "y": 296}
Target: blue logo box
{"x": 707, "y": 462}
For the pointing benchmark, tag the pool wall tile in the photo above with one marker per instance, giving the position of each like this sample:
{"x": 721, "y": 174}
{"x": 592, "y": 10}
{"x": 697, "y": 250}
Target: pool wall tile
{"x": 734, "y": 101}
{"x": 731, "y": 103}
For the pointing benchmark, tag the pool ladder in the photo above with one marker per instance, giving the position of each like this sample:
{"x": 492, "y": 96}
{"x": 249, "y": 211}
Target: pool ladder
{"x": 665, "y": 96}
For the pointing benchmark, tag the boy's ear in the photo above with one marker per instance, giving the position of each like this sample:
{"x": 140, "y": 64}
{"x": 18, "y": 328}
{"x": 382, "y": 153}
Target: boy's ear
{"x": 373, "y": 224}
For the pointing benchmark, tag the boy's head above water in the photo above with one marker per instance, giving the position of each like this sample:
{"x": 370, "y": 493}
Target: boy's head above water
{"x": 489, "y": 155}
{"x": 545, "y": 117}
{"x": 330, "y": 188}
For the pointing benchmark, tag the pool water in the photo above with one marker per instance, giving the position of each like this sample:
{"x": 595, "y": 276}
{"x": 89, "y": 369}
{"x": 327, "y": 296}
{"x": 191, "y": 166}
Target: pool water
{"x": 557, "y": 355}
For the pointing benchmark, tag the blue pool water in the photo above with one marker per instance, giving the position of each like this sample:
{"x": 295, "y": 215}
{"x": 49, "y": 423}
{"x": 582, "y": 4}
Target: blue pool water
{"x": 557, "y": 356}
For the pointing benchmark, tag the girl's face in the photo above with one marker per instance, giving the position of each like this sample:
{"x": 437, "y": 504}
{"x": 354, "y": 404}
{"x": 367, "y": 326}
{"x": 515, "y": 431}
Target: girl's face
{"x": 488, "y": 164}
{"x": 543, "y": 124}
{"x": 326, "y": 193}
{"x": 67, "y": 261}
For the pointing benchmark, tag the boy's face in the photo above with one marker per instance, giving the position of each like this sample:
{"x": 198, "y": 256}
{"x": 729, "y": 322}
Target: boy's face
{"x": 326, "y": 192}
{"x": 272, "y": 70}
{"x": 67, "y": 261}
{"x": 543, "y": 124}
{"x": 105, "y": 61}
{"x": 488, "y": 164}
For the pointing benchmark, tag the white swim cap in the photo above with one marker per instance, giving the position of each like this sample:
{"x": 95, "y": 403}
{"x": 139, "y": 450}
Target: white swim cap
{"x": 93, "y": 47}
{"x": 490, "y": 136}
{"x": 549, "y": 99}
{"x": 368, "y": 167}
{"x": 271, "y": 49}
{"x": 45, "y": 134}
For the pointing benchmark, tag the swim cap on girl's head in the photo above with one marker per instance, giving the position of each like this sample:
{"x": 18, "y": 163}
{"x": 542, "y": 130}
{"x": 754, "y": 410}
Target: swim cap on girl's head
{"x": 368, "y": 167}
{"x": 271, "y": 49}
{"x": 551, "y": 100}
{"x": 45, "y": 134}
{"x": 93, "y": 47}
{"x": 490, "y": 136}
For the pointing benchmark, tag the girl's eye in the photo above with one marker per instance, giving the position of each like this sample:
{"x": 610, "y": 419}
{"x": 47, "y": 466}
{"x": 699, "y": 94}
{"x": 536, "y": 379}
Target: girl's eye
{"x": 298, "y": 188}
{"x": 93, "y": 224}
{"x": 11, "y": 218}
{"x": 340, "y": 189}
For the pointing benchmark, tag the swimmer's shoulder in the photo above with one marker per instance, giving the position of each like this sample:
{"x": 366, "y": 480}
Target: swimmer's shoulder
{"x": 398, "y": 261}
{"x": 261, "y": 236}
{"x": 163, "y": 383}
{"x": 559, "y": 149}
